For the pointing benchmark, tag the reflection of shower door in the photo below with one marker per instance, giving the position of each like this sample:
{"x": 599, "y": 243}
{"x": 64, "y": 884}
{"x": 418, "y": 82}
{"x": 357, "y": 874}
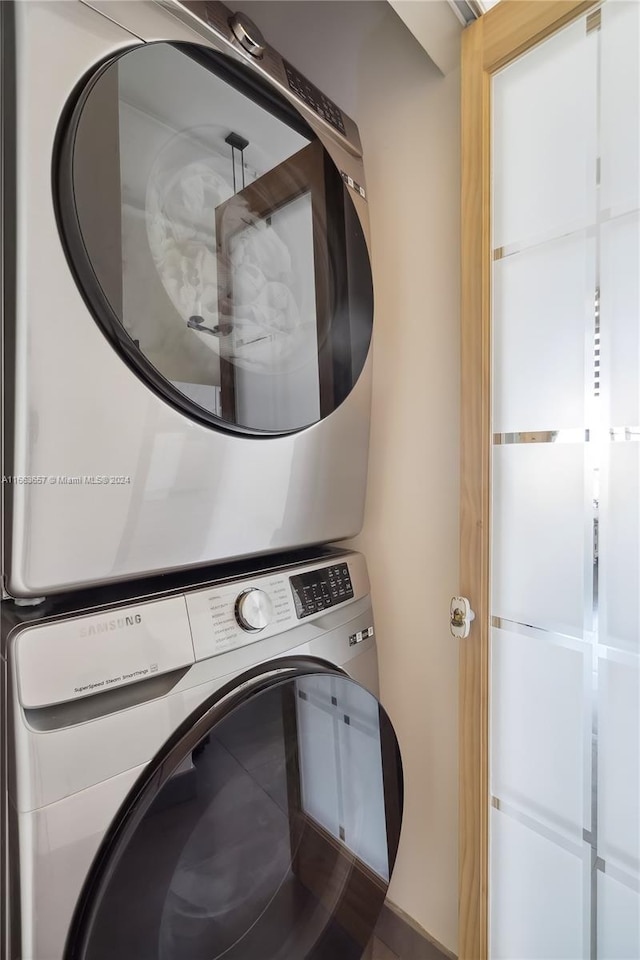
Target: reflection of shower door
{"x": 343, "y": 796}
{"x": 285, "y": 331}
{"x": 550, "y": 674}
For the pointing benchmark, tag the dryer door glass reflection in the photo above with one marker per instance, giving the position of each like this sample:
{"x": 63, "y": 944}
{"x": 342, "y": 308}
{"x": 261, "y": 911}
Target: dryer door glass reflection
{"x": 215, "y": 240}
{"x": 273, "y": 839}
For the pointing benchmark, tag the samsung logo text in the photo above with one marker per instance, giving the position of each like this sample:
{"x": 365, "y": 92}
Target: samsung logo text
{"x": 108, "y": 626}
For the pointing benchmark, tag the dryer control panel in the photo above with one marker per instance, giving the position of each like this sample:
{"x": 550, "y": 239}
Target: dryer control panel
{"x": 314, "y": 98}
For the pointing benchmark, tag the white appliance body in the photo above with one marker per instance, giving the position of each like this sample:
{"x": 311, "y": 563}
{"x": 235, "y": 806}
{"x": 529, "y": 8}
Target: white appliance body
{"x": 120, "y": 468}
{"x": 96, "y": 697}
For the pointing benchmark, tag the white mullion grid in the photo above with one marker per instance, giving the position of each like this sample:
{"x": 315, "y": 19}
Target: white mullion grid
{"x": 570, "y": 641}
{"x": 595, "y": 422}
{"x": 620, "y": 434}
{"x": 570, "y": 230}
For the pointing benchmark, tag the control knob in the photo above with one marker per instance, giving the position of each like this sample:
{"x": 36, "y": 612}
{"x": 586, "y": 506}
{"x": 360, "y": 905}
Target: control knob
{"x": 248, "y": 35}
{"x": 254, "y": 610}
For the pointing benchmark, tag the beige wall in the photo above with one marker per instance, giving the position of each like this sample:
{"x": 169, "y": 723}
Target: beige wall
{"x": 362, "y": 56}
{"x": 410, "y": 535}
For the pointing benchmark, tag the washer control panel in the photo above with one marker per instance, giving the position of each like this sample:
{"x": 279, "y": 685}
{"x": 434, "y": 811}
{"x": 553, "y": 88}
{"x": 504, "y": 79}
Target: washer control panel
{"x": 78, "y": 656}
{"x": 254, "y": 609}
{"x": 318, "y": 589}
{"x": 230, "y": 615}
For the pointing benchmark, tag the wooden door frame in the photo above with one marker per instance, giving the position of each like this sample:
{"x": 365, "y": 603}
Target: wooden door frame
{"x": 498, "y": 37}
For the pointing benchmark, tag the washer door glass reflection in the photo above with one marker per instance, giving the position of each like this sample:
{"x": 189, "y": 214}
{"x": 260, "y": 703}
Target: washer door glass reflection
{"x": 274, "y": 839}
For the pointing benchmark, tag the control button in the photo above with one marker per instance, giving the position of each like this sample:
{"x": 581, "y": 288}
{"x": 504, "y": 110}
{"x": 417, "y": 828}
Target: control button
{"x": 248, "y": 35}
{"x": 254, "y": 610}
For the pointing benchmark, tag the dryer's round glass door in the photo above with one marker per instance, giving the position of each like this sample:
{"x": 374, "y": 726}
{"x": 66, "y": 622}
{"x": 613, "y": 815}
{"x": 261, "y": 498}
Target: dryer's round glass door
{"x": 266, "y": 831}
{"x": 214, "y": 239}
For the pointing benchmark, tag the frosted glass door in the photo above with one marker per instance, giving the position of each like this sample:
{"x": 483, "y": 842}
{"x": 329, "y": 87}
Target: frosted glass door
{"x": 565, "y": 553}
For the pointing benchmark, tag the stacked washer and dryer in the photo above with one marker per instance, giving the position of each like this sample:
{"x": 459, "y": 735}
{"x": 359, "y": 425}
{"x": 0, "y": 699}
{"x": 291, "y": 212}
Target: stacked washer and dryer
{"x": 194, "y": 759}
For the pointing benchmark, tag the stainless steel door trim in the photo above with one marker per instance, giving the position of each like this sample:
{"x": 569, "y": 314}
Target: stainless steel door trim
{"x": 96, "y": 7}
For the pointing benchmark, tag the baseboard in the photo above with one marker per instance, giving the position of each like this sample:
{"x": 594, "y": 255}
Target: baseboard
{"x": 406, "y": 938}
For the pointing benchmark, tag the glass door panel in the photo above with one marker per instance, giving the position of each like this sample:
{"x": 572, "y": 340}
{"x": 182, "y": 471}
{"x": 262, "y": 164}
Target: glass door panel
{"x": 618, "y": 927}
{"x": 544, "y": 129}
{"x": 620, "y": 308}
{"x": 620, "y": 117}
{"x": 539, "y": 533}
{"x": 539, "y": 696}
{"x": 565, "y": 608}
{"x": 537, "y": 895}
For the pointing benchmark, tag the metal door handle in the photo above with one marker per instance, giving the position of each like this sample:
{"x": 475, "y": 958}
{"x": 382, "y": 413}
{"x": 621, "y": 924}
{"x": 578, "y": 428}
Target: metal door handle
{"x": 460, "y": 617}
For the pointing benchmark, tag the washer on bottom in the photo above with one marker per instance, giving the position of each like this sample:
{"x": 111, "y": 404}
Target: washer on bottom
{"x": 204, "y": 773}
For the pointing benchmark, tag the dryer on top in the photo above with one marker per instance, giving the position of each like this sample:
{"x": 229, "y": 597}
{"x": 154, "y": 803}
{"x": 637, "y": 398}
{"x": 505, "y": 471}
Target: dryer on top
{"x": 190, "y": 296}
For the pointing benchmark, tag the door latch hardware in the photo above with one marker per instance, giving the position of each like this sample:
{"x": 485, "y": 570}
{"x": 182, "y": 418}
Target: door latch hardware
{"x": 460, "y": 617}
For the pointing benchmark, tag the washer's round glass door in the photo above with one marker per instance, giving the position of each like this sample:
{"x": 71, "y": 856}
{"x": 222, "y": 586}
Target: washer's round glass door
{"x": 267, "y": 830}
{"x": 214, "y": 239}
